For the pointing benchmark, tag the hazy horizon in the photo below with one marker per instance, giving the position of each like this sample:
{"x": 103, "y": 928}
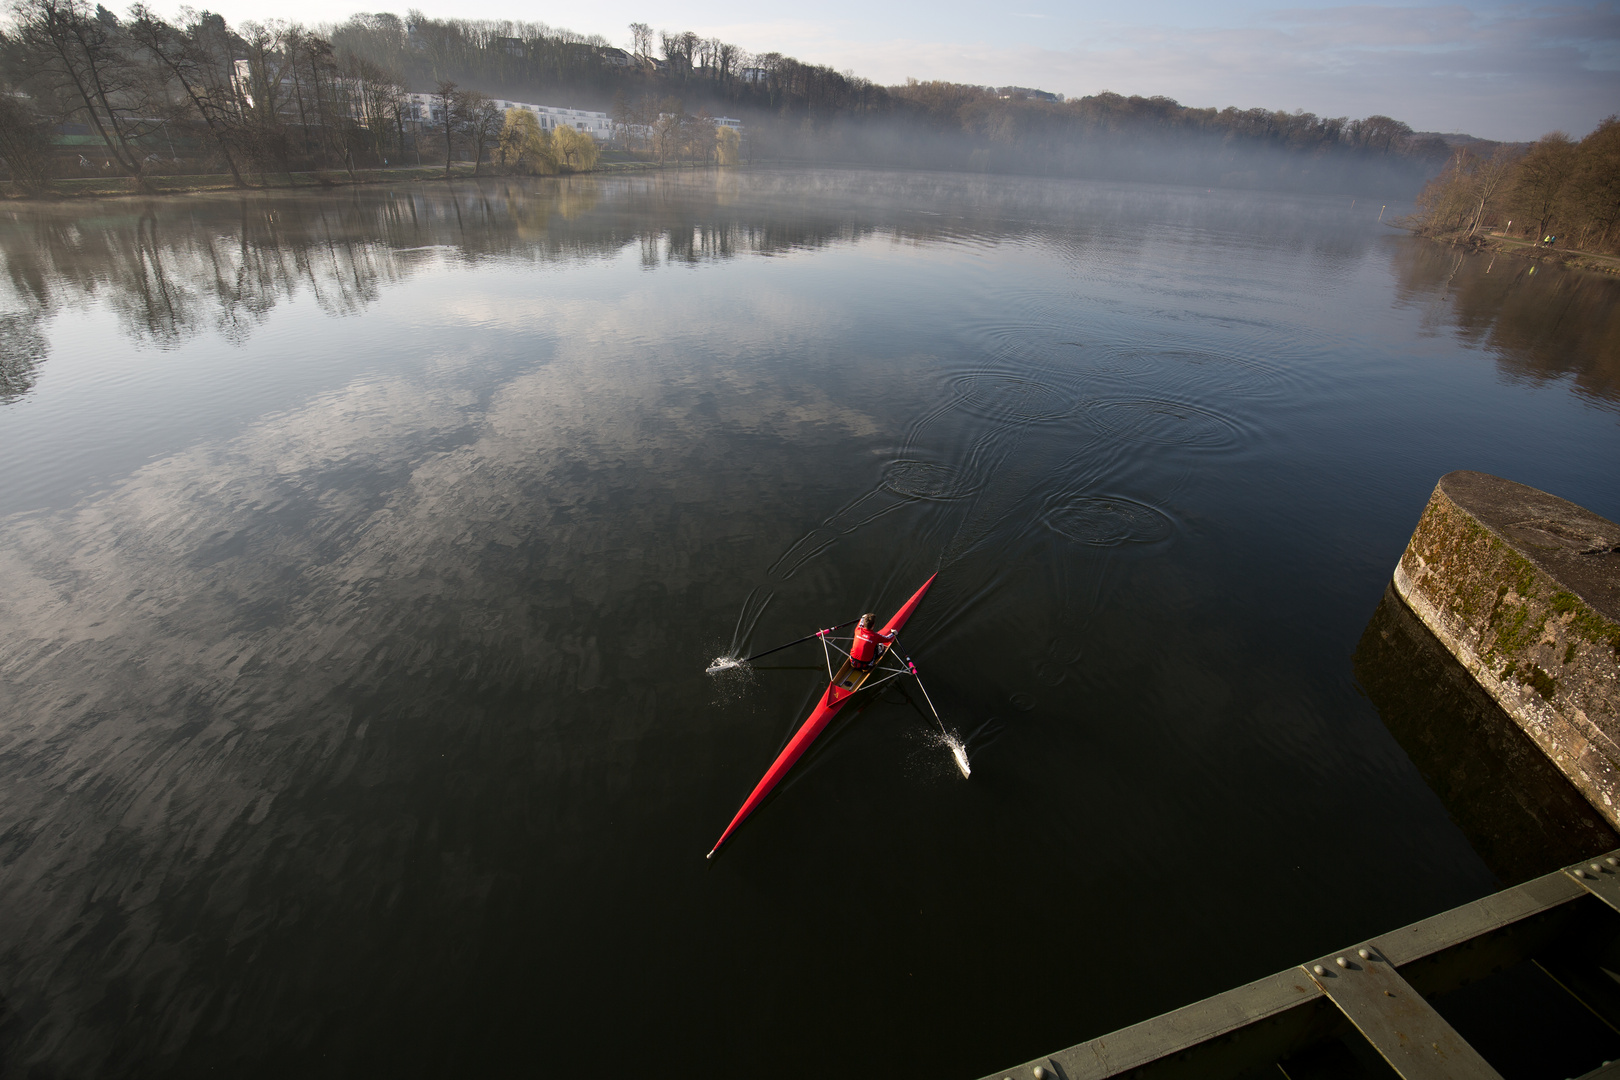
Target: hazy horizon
{"x": 1485, "y": 68}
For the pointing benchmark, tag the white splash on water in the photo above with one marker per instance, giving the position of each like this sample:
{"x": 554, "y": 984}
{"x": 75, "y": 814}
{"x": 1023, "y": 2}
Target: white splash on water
{"x": 952, "y": 742}
{"x": 730, "y": 678}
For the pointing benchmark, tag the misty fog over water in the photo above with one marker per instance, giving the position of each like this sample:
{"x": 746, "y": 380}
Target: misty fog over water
{"x": 364, "y": 552}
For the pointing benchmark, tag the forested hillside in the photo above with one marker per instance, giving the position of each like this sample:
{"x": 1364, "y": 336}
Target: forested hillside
{"x": 799, "y": 110}
{"x": 1559, "y": 192}
{"x": 146, "y": 94}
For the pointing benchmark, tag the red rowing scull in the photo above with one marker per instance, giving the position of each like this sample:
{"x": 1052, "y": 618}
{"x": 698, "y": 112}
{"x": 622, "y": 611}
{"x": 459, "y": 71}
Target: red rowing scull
{"x": 850, "y": 678}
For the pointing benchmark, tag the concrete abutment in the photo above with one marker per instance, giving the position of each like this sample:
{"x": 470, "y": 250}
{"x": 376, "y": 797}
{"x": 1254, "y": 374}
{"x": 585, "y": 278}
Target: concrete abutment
{"x": 1523, "y": 588}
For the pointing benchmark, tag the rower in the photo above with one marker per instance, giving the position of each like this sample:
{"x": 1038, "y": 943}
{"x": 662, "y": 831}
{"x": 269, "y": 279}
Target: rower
{"x": 863, "y": 651}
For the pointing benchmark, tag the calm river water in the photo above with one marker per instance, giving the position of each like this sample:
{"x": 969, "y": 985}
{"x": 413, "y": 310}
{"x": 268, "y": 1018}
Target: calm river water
{"x": 362, "y": 554}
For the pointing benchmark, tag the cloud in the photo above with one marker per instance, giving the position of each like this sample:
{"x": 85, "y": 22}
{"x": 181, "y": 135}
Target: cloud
{"x": 1513, "y": 73}
{"x": 1509, "y": 71}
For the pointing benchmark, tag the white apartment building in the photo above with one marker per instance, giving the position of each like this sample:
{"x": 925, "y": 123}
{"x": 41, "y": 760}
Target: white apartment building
{"x": 424, "y": 108}
{"x": 645, "y": 131}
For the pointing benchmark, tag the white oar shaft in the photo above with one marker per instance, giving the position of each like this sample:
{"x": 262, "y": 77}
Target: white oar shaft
{"x": 796, "y": 641}
{"x": 924, "y": 689}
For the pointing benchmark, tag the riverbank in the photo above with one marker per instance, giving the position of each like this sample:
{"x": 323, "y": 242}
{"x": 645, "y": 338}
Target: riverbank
{"x": 1499, "y": 243}
{"x": 123, "y": 186}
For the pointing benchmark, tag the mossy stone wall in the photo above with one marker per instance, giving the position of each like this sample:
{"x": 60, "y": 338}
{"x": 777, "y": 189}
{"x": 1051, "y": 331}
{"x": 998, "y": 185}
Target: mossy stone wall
{"x": 1524, "y": 589}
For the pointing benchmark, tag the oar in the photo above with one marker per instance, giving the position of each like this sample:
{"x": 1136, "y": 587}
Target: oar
{"x": 958, "y": 751}
{"x": 712, "y": 668}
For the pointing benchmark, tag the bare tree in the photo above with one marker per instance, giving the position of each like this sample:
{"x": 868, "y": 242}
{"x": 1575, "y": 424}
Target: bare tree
{"x": 1543, "y": 174}
{"x": 667, "y": 130}
{"x": 24, "y": 148}
{"x": 1380, "y": 134}
{"x": 331, "y": 115}
{"x": 1597, "y": 182}
{"x": 478, "y": 120}
{"x": 261, "y": 90}
{"x": 726, "y": 57}
{"x": 641, "y": 38}
{"x": 1487, "y": 182}
{"x": 81, "y": 58}
{"x": 190, "y": 58}
{"x": 446, "y": 95}
{"x": 620, "y": 114}
{"x": 689, "y": 44}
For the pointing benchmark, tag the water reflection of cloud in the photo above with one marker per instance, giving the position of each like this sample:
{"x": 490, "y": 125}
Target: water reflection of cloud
{"x": 181, "y": 654}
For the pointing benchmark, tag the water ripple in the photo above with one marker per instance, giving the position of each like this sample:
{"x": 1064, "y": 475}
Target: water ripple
{"x": 1168, "y": 422}
{"x": 1107, "y": 520}
{"x": 1206, "y": 372}
{"x": 927, "y": 480}
{"x": 1002, "y": 396}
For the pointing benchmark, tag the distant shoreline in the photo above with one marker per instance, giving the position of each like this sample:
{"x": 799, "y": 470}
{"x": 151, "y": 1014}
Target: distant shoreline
{"x": 163, "y": 185}
{"x": 123, "y": 187}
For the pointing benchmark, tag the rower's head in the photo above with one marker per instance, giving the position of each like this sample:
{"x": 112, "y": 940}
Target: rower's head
{"x": 866, "y": 620}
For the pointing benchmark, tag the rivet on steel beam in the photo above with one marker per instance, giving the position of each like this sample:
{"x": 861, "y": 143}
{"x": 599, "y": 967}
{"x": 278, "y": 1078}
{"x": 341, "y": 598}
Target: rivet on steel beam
{"x": 1596, "y": 869}
{"x": 1342, "y": 962}
{"x": 1319, "y": 969}
{"x": 1579, "y": 872}
{"x": 1364, "y": 954}
{"x": 1040, "y": 1073}
{"x": 1612, "y": 861}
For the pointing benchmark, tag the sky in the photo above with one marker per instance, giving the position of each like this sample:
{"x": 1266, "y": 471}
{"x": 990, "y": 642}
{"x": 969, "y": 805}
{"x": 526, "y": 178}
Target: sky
{"x": 1489, "y": 68}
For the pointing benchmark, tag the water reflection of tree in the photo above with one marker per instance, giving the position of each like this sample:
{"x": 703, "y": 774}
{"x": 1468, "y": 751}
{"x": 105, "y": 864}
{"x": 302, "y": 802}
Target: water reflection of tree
{"x": 22, "y": 348}
{"x": 1541, "y": 325}
{"x": 171, "y": 269}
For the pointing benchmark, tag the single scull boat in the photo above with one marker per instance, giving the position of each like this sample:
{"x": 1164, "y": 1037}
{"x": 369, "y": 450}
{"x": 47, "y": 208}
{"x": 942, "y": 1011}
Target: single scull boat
{"x": 870, "y": 648}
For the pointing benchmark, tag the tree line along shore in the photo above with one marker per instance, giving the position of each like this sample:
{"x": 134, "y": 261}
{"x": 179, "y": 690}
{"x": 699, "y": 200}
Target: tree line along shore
{"x": 1558, "y": 195}
{"x": 89, "y": 95}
